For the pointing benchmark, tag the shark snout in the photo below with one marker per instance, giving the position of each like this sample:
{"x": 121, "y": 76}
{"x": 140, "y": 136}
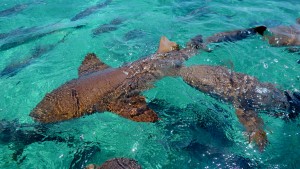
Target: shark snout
{"x": 37, "y": 114}
{"x": 44, "y": 112}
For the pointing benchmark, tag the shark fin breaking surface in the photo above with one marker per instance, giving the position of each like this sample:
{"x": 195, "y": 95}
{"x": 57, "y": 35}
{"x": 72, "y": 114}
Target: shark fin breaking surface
{"x": 165, "y": 45}
{"x": 260, "y": 29}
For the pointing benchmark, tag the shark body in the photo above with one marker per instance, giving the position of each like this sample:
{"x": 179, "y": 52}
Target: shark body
{"x": 90, "y": 10}
{"x": 105, "y": 28}
{"x": 117, "y": 88}
{"x": 17, "y": 8}
{"x": 101, "y": 88}
{"x": 13, "y": 68}
{"x": 23, "y": 35}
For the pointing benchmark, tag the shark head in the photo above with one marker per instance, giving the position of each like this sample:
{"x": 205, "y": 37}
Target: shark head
{"x": 57, "y": 106}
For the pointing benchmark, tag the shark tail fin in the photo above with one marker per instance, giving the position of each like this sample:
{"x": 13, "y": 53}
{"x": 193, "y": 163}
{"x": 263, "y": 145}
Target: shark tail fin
{"x": 165, "y": 45}
{"x": 91, "y": 64}
{"x": 260, "y": 29}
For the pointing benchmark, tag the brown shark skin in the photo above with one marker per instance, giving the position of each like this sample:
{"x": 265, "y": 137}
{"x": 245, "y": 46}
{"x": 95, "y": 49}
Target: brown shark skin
{"x": 113, "y": 89}
{"x": 246, "y": 93}
{"x": 118, "y": 90}
{"x": 77, "y": 97}
{"x": 91, "y": 64}
{"x": 116, "y": 163}
{"x": 165, "y": 45}
{"x": 237, "y": 88}
{"x": 284, "y": 35}
{"x": 254, "y": 127}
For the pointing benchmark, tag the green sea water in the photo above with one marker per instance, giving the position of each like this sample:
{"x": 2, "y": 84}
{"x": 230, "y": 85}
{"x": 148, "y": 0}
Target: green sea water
{"x": 195, "y": 130}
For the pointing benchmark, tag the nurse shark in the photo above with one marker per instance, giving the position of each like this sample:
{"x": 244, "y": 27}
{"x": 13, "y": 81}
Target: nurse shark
{"x": 105, "y": 28}
{"x": 90, "y": 10}
{"x": 15, "y": 67}
{"x": 23, "y": 35}
{"x": 17, "y": 8}
{"x": 18, "y": 136}
{"x": 283, "y": 35}
{"x": 100, "y": 87}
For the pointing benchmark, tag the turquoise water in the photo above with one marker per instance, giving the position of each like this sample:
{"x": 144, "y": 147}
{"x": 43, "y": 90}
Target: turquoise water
{"x": 195, "y": 131}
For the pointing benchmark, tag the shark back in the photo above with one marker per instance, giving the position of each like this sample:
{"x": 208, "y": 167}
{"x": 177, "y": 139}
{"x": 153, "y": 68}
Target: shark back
{"x": 84, "y": 95}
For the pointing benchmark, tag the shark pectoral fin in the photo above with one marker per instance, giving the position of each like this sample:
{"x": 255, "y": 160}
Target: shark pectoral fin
{"x": 254, "y": 127}
{"x": 134, "y": 108}
{"x": 91, "y": 64}
{"x": 165, "y": 45}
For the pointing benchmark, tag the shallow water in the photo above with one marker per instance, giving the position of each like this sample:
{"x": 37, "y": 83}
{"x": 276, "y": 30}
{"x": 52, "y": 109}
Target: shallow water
{"x": 195, "y": 131}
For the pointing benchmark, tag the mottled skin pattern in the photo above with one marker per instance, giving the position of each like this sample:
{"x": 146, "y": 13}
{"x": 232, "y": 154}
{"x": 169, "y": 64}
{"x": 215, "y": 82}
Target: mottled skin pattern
{"x": 108, "y": 89}
{"x": 91, "y": 64}
{"x": 116, "y": 163}
{"x": 237, "y": 88}
{"x": 246, "y": 93}
{"x": 118, "y": 89}
{"x": 79, "y": 96}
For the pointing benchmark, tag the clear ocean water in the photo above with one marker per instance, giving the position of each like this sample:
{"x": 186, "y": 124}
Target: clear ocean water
{"x": 195, "y": 130}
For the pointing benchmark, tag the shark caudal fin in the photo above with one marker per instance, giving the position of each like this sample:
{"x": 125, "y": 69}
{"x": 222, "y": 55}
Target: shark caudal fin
{"x": 165, "y": 45}
{"x": 91, "y": 64}
{"x": 260, "y": 29}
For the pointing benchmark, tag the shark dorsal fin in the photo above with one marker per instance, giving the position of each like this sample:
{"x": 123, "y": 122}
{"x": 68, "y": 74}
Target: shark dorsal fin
{"x": 91, "y": 64}
{"x": 260, "y": 29}
{"x": 165, "y": 45}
